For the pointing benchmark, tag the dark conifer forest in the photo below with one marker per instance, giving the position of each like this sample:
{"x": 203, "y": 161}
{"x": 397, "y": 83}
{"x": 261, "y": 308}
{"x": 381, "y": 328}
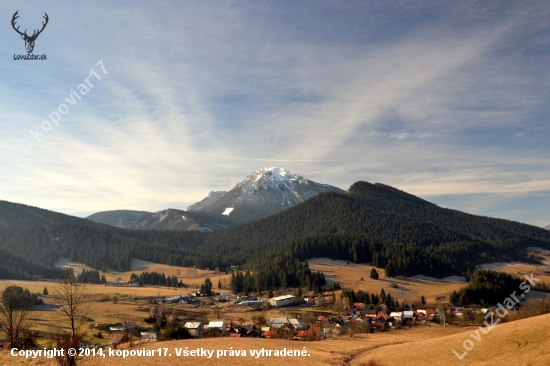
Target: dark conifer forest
{"x": 397, "y": 232}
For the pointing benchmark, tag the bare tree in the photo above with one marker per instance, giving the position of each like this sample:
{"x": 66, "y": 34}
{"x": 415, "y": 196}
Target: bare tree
{"x": 15, "y": 311}
{"x": 70, "y": 296}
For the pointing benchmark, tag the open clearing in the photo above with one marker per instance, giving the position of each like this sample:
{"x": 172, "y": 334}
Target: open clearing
{"x": 409, "y": 289}
{"x": 190, "y": 276}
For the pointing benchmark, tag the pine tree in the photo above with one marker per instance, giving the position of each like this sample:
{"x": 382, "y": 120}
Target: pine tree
{"x": 45, "y": 292}
{"x": 219, "y": 284}
{"x": 390, "y": 270}
{"x": 374, "y": 274}
{"x": 382, "y": 296}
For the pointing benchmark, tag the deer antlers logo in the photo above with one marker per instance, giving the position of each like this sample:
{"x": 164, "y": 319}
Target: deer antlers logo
{"x": 29, "y": 40}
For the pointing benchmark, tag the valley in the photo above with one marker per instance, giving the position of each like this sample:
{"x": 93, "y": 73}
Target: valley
{"x": 366, "y": 272}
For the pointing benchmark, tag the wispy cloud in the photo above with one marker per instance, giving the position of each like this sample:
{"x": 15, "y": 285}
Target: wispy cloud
{"x": 439, "y": 99}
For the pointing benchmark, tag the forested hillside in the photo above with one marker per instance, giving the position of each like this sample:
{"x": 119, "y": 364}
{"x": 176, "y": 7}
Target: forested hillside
{"x": 117, "y": 218}
{"x": 18, "y": 215}
{"x": 370, "y": 223}
{"x": 172, "y": 219}
{"x": 13, "y": 267}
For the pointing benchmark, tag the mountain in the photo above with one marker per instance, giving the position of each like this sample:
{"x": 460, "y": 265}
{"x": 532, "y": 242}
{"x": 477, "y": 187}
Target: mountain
{"x": 369, "y": 223}
{"x": 547, "y": 227}
{"x": 19, "y": 215}
{"x": 117, "y": 218}
{"x": 396, "y": 231}
{"x": 172, "y": 219}
{"x": 263, "y": 193}
{"x": 209, "y": 200}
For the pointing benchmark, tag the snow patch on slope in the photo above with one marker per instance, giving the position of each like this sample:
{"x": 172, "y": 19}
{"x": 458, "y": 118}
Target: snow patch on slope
{"x": 227, "y": 211}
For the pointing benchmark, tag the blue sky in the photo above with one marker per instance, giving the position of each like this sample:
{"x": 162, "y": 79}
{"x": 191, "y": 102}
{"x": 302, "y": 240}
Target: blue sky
{"x": 446, "y": 100}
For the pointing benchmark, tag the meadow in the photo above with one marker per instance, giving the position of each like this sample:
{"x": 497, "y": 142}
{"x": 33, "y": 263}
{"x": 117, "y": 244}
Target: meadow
{"x": 525, "y": 342}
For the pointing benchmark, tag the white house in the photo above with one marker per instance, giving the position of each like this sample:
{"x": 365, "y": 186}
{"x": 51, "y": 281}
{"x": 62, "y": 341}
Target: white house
{"x": 194, "y": 328}
{"x": 297, "y": 324}
{"x": 276, "y": 323}
{"x": 397, "y": 315}
{"x": 150, "y": 336}
{"x": 172, "y": 300}
{"x": 218, "y": 325}
{"x": 284, "y": 300}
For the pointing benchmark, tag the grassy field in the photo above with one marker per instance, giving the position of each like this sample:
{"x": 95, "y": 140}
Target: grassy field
{"x": 422, "y": 345}
{"x": 525, "y": 342}
{"x": 408, "y": 289}
{"x": 349, "y": 275}
{"x": 191, "y": 276}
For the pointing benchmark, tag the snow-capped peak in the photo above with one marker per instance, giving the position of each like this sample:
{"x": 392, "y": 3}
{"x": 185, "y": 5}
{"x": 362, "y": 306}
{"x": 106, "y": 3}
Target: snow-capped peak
{"x": 264, "y": 192}
{"x": 276, "y": 173}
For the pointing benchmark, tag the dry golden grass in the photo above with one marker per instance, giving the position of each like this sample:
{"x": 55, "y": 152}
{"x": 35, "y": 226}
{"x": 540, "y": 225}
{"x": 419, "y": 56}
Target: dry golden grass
{"x": 409, "y": 291}
{"x": 525, "y": 342}
{"x": 540, "y": 272}
{"x": 328, "y": 352}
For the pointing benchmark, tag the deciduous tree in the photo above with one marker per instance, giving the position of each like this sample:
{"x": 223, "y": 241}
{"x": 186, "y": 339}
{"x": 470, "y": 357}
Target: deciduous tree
{"x": 15, "y": 311}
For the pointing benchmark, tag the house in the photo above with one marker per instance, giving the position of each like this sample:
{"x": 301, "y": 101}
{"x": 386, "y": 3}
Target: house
{"x": 430, "y": 313}
{"x": 218, "y": 325}
{"x": 423, "y": 319}
{"x": 122, "y": 326}
{"x": 187, "y": 299}
{"x": 223, "y": 297}
{"x": 255, "y": 304}
{"x": 134, "y": 284}
{"x": 270, "y": 333}
{"x": 150, "y": 336}
{"x": 337, "y": 329}
{"x": 361, "y": 323}
{"x": 397, "y": 316}
{"x": 296, "y": 324}
{"x": 116, "y": 340}
{"x": 250, "y": 330}
{"x": 285, "y": 331}
{"x": 276, "y": 323}
{"x": 172, "y": 300}
{"x": 457, "y": 311}
{"x": 421, "y": 312}
{"x": 371, "y": 313}
{"x": 382, "y": 319}
{"x": 284, "y": 300}
{"x": 311, "y": 333}
{"x": 359, "y": 305}
{"x": 194, "y": 328}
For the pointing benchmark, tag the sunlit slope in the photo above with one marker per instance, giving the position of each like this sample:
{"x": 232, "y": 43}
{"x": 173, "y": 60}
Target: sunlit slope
{"x": 524, "y": 342}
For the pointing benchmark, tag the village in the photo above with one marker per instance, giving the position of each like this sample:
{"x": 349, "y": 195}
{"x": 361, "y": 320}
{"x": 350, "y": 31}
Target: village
{"x": 312, "y": 319}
